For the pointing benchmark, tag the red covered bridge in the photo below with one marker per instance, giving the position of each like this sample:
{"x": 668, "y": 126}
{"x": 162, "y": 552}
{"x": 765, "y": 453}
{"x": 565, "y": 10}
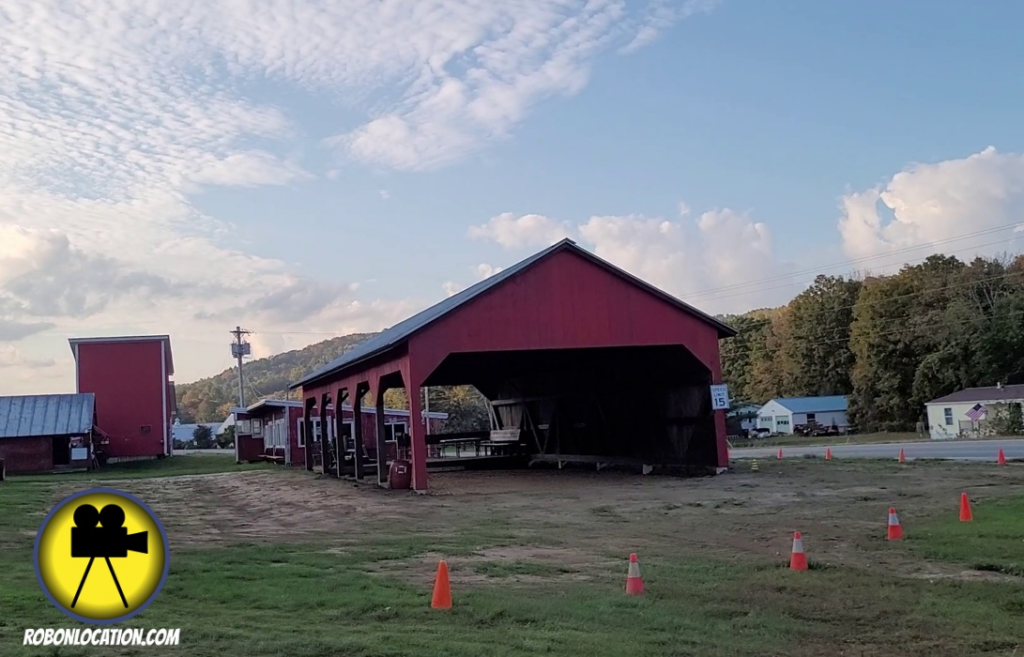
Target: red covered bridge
{"x": 581, "y": 361}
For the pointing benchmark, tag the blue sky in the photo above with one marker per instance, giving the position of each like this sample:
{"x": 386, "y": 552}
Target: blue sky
{"x": 317, "y": 168}
{"x": 773, "y": 108}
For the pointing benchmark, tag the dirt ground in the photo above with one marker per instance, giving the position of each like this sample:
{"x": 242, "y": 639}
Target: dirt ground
{"x": 579, "y": 521}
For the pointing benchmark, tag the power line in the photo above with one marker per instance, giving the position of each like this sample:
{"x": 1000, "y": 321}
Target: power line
{"x": 905, "y": 263}
{"x": 808, "y": 340}
{"x": 949, "y": 286}
{"x": 848, "y": 263}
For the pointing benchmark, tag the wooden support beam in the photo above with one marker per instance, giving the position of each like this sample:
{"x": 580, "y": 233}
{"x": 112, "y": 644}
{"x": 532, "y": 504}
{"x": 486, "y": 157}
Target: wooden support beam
{"x": 356, "y": 400}
{"x": 339, "y": 440}
{"x": 382, "y": 453}
{"x": 307, "y": 429}
{"x": 324, "y": 451}
{"x": 587, "y": 458}
{"x": 519, "y": 400}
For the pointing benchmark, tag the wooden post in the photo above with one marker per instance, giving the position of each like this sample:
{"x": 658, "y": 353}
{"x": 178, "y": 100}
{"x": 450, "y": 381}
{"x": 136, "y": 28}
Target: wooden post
{"x": 382, "y": 450}
{"x": 358, "y": 464}
{"x": 324, "y": 452}
{"x": 307, "y": 430}
{"x": 417, "y": 440}
{"x": 339, "y": 425}
{"x": 359, "y": 390}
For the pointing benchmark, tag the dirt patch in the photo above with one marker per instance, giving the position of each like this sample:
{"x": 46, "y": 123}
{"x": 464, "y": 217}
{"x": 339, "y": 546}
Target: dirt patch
{"x": 577, "y": 517}
{"x": 266, "y": 505}
{"x": 514, "y": 564}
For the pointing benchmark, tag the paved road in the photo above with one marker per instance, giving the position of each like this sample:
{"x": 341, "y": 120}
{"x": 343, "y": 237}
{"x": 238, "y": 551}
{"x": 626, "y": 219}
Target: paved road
{"x": 204, "y": 452}
{"x": 960, "y": 450}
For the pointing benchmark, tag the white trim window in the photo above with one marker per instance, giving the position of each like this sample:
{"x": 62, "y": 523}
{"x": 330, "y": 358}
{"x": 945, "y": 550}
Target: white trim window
{"x": 392, "y": 430}
{"x": 301, "y": 433}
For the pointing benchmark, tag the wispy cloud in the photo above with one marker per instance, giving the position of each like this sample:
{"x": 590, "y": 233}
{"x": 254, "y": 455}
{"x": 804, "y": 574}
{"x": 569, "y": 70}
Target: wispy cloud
{"x": 661, "y": 15}
{"x": 112, "y": 116}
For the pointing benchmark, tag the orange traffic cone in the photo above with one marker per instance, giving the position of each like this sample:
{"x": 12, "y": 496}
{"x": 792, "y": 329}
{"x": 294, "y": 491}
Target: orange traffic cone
{"x": 634, "y": 582}
{"x": 798, "y": 560}
{"x": 965, "y": 508}
{"x": 895, "y": 531}
{"x": 1001, "y": 458}
{"x": 780, "y": 452}
{"x": 903, "y": 456}
{"x": 828, "y": 453}
{"x": 442, "y": 589}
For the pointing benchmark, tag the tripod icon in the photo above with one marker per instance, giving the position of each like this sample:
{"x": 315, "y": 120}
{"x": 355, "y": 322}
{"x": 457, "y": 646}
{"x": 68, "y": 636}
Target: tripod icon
{"x": 110, "y": 541}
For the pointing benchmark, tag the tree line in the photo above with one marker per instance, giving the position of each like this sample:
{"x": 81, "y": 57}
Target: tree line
{"x": 890, "y": 343}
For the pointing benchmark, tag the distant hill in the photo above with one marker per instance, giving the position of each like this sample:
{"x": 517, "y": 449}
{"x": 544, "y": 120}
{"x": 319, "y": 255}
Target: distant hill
{"x": 211, "y": 399}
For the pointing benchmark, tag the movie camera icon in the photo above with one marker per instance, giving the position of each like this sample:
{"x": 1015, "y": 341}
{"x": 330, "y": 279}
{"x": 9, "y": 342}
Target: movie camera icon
{"x": 109, "y": 541}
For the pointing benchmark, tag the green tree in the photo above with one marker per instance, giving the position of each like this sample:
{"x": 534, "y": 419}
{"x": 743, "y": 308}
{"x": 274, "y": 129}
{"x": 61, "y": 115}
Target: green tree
{"x": 202, "y": 437}
{"x": 736, "y": 353}
{"x": 817, "y": 349}
{"x": 226, "y": 439}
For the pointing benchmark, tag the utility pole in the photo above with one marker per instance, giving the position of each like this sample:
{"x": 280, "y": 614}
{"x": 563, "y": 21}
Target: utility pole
{"x": 240, "y": 348}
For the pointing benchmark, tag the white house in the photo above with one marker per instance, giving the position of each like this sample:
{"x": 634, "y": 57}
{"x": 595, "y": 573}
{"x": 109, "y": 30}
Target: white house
{"x": 782, "y": 414}
{"x": 746, "y": 415}
{"x": 967, "y": 411}
{"x": 183, "y": 432}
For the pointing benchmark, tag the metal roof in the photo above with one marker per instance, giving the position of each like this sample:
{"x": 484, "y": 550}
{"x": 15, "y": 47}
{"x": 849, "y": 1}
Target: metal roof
{"x": 392, "y": 337}
{"x": 989, "y": 394}
{"x": 813, "y": 404}
{"x": 46, "y": 415}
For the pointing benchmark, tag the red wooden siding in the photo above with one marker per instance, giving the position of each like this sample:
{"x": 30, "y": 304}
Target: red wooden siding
{"x": 130, "y": 384}
{"x": 563, "y": 302}
{"x": 27, "y": 454}
{"x": 369, "y": 422}
{"x": 566, "y": 302}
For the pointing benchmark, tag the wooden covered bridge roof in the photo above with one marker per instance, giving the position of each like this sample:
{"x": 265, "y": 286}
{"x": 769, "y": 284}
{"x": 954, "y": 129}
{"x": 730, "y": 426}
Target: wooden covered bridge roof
{"x": 399, "y": 333}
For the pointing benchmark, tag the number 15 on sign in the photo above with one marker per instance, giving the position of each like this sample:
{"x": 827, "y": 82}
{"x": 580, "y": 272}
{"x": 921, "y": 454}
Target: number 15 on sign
{"x": 719, "y": 397}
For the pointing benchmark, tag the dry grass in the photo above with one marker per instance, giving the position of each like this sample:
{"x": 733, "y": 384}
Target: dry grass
{"x": 280, "y": 562}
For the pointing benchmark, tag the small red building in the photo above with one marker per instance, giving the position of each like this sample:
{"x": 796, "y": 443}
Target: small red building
{"x": 47, "y": 433}
{"x": 135, "y": 403}
{"x": 273, "y": 427}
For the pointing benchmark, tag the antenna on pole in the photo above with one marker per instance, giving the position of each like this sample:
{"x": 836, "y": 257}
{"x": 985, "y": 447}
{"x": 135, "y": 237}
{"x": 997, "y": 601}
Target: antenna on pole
{"x": 240, "y": 348}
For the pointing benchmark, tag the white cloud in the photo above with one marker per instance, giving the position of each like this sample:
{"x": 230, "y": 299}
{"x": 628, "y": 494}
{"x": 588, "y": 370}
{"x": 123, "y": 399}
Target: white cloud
{"x": 513, "y": 232}
{"x": 662, "y": 15}
{"x": 480, "y": 272}
{"x": 471, "y": 71}
{"x": 956, "y": 205}
{"x": 12, "y": 357}
{"x": 484, "y": 270}
{"x": 384, "y": 194}
{"x": 693, "y": 259}
{"x": 723, "y": 261}
{"x": 111, "y": 118}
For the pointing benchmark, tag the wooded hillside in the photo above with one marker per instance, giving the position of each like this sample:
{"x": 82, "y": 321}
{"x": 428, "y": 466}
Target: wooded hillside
{"x": 212, "y": 398}
{"x": 889, "y": 342}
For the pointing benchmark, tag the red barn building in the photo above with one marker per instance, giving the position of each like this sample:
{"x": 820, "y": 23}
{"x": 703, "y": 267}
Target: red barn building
{"x": 273, "y": 427}
{"x": 581, "y": 361}
{"x": 135, "y": 403}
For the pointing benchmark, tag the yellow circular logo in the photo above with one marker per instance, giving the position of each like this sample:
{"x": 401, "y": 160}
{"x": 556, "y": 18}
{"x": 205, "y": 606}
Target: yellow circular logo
{"x": 101, "y": 556}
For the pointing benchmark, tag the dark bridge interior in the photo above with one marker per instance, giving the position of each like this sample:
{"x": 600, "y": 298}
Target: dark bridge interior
{"x": 621, "y": 405}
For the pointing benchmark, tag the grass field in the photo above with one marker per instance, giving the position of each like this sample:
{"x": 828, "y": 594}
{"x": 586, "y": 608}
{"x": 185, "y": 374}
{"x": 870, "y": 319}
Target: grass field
{"x": 272, "y": 562}
{"x": 812, "y": 441}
